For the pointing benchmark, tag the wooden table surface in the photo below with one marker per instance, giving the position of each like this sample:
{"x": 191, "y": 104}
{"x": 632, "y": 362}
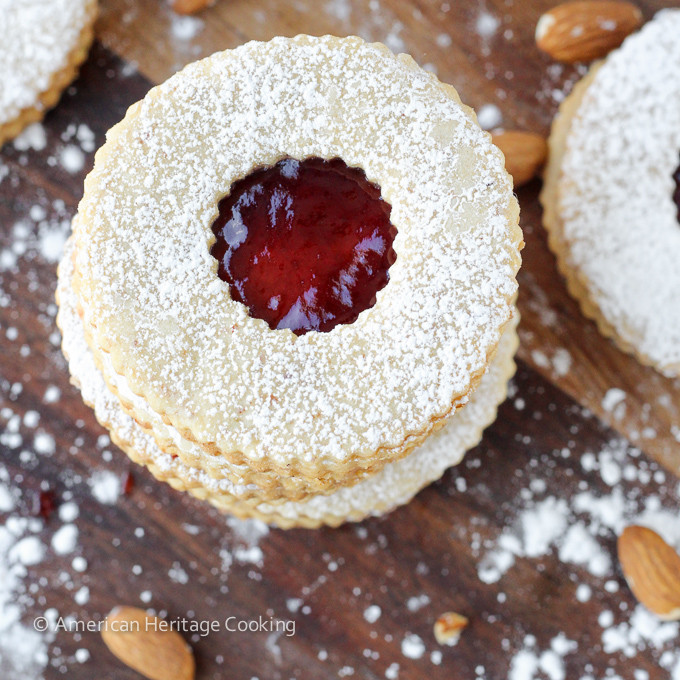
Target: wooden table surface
{"x": 422, "y": 559}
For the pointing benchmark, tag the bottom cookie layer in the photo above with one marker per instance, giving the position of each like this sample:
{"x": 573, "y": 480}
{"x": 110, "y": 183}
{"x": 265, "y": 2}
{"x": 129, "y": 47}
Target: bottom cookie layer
{"x": 393, "y": 485}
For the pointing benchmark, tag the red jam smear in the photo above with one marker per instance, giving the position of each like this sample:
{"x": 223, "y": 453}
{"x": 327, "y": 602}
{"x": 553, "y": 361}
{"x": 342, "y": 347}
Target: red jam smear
{"x": 305, "y": 245}
{"x": 676, "y": 193}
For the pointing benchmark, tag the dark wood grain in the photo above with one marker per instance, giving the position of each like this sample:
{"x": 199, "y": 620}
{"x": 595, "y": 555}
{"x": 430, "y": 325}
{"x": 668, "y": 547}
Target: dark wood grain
{"x": 432, "y": 547}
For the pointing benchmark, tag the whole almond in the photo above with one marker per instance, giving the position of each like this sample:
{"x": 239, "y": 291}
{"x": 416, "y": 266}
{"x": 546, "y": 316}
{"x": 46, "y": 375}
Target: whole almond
{"x": 586, "y": 30}
{"x": 524, "y": 152}
{"x": 189, "y": 6}
{"x": 134, "y": 637}
{"x": 652, "y": 570}
{"x": 448, "y": 627}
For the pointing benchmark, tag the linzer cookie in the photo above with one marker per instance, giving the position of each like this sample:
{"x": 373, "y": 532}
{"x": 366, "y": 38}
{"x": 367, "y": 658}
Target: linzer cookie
{"x": 43, "y": 44}
{"x": 611, "y": 193}
{"x": 292, "y": 262}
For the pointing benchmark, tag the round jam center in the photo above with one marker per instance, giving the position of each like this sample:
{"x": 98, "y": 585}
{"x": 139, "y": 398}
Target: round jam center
{"x": 676, "y": 193}
{"x": 305, "y": 245}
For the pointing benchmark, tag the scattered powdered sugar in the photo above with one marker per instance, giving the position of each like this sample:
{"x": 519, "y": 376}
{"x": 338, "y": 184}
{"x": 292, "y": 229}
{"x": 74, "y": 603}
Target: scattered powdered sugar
{"x": 82, "y": 655}
{"x": 43, "y": 231}
{"x": 575, "y": 528}
{"x": 339, "y": 9}
{"x": 65, "y": 539}
{"x": 177, "y": 574}
{"x": 82, "y": 596}
{"x": 417, "y": 602}
{"x": 487, "y": 24}
{"x": 579, "y": 530}
{"x": 612, "y": 402}
{"x": 242, "y": 546}
{"x": 106, "y": 486}
{"x": 23, "y": 650}
{"x": 72, "y": 159}
{"x": 44, "y": 443}
{"x": 52, "y": 394}
{"x": 186, "y": 27}
{"x": 68, "y": 511}
{"x": 372, "y": 613}
{"x": 27, "y": 551}
{"x": 412, "y": 646}
{"x": 489, "y": 116}
{"x": 531, "y": 663}
{"x": 561, "y": 361}
{"x": 31, "y": 137}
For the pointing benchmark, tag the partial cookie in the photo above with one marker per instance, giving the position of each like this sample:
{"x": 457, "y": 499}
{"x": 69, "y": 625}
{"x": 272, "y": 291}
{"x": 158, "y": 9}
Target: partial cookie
{"x": 396, "y": 484}
{"x": 322, "y": 406}
{"x": 43, "y": 44}
{"x": 610, "y": 211}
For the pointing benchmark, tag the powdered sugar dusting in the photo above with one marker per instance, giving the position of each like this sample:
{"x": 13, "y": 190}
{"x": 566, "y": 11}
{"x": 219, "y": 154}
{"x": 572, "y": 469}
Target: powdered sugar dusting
{"x": 24, "y": 554}
{"x": 616, "y": 185}
{"x": 105, "y": 486}
{"x": 384, "y": 405}
{"x": 579, "y": 530}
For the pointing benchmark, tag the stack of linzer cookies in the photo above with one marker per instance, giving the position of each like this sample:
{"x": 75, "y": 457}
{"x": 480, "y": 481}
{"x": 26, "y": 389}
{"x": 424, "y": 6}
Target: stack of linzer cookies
{"x": 290, "y": 286}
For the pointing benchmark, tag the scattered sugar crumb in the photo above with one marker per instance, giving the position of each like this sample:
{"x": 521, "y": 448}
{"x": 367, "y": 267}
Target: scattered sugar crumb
{"x": 185, "y": 27}
{"x": 68, "y": 511}
{"x": 489, "y": 116}
{"x": 27, "y": 551}
{"x": 82, "y": 596}
{"x": 177, "y": 574}
{"x": 412, "y": 646}
{"x": 372, "y": 613}
{"x": 65, "y": 539}
{"x": 72, "y": 159}
{"x": 487, "y": 24}
{"x": 82, "y": 655}
{"x": 413, "y": 604}
{"x": 613, "y": 398}
{"x": 583, "y": 592}
{"x": 293, "y": 604}
{"x": 44, "y": 443}
{"x": 79, "y": 564}
{"x": 105, "y": 486}
{"x": 52, "y": 394}
{"x": 444, "y": 40}
{"x": 32, "y": 137}
{"x": 392, "y": 671}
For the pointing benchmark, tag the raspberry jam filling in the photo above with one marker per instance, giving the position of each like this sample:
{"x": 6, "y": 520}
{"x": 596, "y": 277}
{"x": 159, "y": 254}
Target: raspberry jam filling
{"x": 676, "y": 193}
{"x": 305, "y": 245}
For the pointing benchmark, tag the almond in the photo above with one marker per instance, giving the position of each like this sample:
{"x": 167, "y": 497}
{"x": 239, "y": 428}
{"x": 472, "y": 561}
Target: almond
{"x": 448, "y": 627}
{"x": 586, "y": 30}
{"x": 524, "y": 152}
{"x": 189, "y": 6}
{"x": 144, "y": 643}
{"x": 652, "y": 570}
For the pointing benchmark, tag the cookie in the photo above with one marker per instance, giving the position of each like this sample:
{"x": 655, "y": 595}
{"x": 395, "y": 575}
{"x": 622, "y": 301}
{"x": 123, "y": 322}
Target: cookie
{"x": 157, "y": 300}
{"x": 611, "y": 194}
{"x": 43, "y": 44}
